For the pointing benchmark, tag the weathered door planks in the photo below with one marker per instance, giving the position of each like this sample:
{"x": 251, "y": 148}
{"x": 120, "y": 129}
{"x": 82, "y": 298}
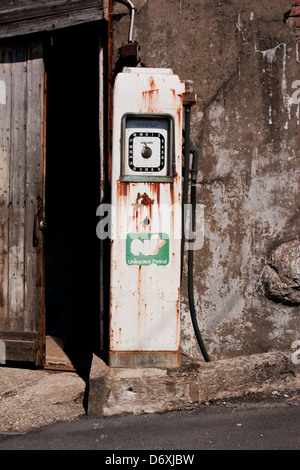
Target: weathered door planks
{"x": 22, "y": 187}
{"x": 16, "y": 214}
{"x": 34, "y": 186}
{"x": 5, "y": 104}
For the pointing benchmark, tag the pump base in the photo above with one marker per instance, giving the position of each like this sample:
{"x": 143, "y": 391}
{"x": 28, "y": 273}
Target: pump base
{"x": 169, "y": 359}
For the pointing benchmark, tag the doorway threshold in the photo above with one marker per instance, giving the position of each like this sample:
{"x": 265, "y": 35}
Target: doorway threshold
{"x": 56, "y": 358}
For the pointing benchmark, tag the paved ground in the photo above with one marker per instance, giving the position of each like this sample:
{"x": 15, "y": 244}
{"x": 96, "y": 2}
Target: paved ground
{"x": 31, "y": 399}
{"x": 261, "y": 425}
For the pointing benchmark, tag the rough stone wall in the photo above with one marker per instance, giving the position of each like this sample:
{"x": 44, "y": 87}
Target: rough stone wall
{"x": 245, "y": 62}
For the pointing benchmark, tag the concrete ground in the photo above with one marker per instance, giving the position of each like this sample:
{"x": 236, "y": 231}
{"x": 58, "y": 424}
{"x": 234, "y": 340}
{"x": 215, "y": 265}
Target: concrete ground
{"x": 30, "y": 399}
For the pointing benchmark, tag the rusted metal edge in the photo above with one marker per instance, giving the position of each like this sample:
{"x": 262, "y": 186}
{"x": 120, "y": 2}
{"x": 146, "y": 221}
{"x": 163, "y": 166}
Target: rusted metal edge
{"x": 169, "y": 359}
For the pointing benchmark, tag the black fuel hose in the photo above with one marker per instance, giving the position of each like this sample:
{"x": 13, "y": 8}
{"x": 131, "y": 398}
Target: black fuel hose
{"x": 191, "y": 275}
{"x": 186, "y": 134}
{"x": 191, "y": 148}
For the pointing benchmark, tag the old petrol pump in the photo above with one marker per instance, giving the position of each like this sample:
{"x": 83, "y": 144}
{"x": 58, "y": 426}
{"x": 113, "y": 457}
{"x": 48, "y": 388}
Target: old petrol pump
{"x": 146, "y": 218}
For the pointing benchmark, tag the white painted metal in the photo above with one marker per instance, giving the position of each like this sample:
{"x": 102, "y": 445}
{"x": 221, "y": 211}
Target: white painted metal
{"x": 144, "y": 308}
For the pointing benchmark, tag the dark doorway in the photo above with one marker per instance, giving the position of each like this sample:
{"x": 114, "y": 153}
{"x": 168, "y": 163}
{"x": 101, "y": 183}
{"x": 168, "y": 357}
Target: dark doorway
{"x": 72, "y": 250}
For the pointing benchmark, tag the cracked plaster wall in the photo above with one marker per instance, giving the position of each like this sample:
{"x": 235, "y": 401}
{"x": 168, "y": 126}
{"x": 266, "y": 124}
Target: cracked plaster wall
{"x": 244, "y": 62}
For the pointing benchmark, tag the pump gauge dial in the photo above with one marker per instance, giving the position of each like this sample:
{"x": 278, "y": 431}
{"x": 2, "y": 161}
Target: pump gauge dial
{"x": 146, "y": 151}
{"x": 147, "y": 147}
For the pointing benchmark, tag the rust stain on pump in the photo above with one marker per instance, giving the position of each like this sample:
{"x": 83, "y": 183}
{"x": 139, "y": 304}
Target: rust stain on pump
{"x": 144, "y": 199}
{"x": 152, "y": 83}
{"x": 122, "y": 189}
{"x": 150, "y": 97}
{"x": 156, "y": 191}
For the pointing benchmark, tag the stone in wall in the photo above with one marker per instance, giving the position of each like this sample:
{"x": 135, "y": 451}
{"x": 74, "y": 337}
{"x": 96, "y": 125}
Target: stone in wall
{"x": 281, "y": 276}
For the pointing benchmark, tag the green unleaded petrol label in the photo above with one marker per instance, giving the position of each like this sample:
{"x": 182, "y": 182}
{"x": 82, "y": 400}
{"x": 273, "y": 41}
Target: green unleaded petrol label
{"x": 143, "y": 249}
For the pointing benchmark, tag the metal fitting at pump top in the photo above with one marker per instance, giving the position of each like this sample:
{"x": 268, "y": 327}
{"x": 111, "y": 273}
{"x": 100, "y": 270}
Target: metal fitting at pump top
{"x": 189, "y": 98}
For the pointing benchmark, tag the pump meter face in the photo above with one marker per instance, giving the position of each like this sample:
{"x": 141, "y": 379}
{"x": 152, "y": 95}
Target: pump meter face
{"x": 146, "y": 147}
{"x": 146, "y": 151}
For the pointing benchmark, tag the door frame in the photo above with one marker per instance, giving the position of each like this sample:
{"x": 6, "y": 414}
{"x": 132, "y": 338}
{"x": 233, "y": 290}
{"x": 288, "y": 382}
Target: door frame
{"x": 27, "y": 345}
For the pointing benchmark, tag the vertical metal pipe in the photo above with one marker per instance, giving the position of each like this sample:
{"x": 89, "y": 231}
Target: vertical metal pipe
{"x": 130, "y": 5}
{"x": 186, "y": 179}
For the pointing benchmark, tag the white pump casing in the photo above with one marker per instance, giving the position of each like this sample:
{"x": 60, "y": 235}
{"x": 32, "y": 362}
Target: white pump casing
{"x": 146, "y": 225}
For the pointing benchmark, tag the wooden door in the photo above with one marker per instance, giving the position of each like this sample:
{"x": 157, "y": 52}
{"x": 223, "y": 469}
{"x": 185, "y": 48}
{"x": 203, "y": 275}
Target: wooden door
{"x": 21, "y": 199}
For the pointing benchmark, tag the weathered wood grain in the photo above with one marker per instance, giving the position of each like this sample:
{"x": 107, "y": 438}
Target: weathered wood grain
{"x": 17, "y": 189}
{"x": 5, "y": 106}
{"x": 34, "y": 183}
{"x": 30, "y": 16}
{"x": 21, "y": 186}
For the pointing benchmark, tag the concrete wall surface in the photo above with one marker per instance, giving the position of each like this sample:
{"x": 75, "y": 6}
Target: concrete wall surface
{"x": 244, "y": 61}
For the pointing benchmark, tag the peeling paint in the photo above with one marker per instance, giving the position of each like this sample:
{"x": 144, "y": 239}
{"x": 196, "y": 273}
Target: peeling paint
{"x": 270, "y": 54}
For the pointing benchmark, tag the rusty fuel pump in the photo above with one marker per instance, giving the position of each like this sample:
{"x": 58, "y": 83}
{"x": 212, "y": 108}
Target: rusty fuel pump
{"x": 146, "y": 224}
{"x": 148, "y": 217}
